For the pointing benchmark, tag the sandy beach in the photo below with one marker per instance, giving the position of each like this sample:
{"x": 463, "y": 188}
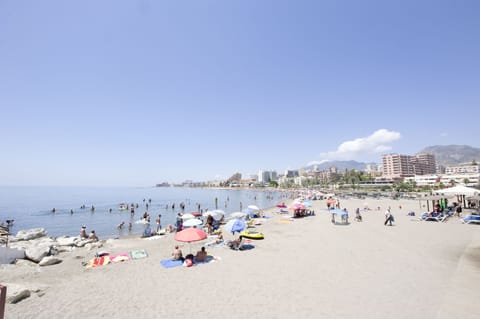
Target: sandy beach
{"x": 305, "y": 268}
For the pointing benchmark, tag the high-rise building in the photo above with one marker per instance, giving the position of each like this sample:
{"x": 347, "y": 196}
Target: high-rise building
{"x": 399, "y": 166}
{"x": 424, "y": 164}
{"x": 266, "y": 176}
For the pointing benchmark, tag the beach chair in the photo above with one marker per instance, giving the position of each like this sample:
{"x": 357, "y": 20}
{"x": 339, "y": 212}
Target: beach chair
{"x": 439, "y": 218}
{"x": 471, "y": 219}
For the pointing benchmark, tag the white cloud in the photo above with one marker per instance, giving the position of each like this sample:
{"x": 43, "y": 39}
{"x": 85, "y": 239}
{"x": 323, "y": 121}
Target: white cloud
{"x": 317, "y": 162}
{"x": 376, "y": 143}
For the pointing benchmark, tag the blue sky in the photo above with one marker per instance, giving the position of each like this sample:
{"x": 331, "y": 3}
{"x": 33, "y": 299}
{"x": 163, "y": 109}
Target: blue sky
{"x": 140, "y": 92}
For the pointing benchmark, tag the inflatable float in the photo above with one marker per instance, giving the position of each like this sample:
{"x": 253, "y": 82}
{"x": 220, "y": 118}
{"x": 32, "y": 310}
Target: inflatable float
{"x": 252, "y": 235}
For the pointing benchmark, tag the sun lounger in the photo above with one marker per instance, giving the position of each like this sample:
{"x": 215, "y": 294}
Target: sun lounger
{"x": 439, "y": 218}
{"x": 471, "y": 219}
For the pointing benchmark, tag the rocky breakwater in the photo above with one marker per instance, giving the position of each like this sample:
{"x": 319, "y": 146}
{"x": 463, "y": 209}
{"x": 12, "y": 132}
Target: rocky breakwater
{"x": 28, "y": 251}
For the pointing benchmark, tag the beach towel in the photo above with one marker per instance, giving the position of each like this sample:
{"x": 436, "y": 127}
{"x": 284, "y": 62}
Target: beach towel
{"x": 97, "y": 262}
{"x": 138, "y": 254}
{"x": 155, "y": 237}
{"x": 170, "y": 263}
{"x": 119, "y": 257}
{"x": 247, "y": 247}
{"x": 208, "y": 260}
{"x": 214, "y": 244}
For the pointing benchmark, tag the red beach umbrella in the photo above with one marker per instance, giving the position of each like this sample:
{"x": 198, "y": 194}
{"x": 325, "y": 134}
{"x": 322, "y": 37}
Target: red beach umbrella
{"x": 190, "y": 235}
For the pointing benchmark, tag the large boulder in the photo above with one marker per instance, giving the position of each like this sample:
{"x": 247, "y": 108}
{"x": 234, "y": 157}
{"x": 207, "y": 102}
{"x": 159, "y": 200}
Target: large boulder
{"x": 30, "y": 234}
{"x": 9, "y": 255}
{"x": 36, "y": 253}
{"x": 83, "y": 242}
{"x": 67, "y": 240}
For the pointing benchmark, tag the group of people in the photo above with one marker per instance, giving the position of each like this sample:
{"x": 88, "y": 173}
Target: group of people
{"x": 83, "y": 234}
{"x": 190, "y": 259}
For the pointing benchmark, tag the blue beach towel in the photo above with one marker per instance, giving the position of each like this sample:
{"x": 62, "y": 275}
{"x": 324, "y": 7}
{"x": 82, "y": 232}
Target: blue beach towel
{"x": 170, "y": 263}
{"x": 247, "y": 247}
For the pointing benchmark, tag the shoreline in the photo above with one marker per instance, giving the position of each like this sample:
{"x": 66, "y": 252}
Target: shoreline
{"x": 361, "y": 270}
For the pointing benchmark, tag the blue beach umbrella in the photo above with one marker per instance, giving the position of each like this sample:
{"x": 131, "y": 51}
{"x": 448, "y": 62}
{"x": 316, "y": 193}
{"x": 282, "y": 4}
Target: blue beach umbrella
{"x": 235, "y": 225}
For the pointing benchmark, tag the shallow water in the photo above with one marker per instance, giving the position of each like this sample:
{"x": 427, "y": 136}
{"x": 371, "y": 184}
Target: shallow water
{"x": 31, "y": 206}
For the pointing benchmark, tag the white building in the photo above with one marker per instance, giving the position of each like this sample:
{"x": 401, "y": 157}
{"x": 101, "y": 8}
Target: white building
{"x": 434, "y": 179}
{"x": 462, "y": 169}
{"x": 266, "y": 176}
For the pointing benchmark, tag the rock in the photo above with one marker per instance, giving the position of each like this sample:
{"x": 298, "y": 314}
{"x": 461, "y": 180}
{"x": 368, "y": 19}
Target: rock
{"x": 49, "y": 260}
{"x": 44, "y": 241}
{"x": 23, "y": 245}
{"x": 23, "y": 294}
{"x": 83, "y": 242}
{"x": 36, "y": 253}
{"x": 29, "y": 234}
{"x": 9, "y": 255}
{"x": 67, "y": 241}
{"x": 65, "y": 249}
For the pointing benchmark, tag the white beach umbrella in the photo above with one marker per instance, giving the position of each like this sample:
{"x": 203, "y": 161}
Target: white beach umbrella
{"x": 216, "y": 214}
{"x": 187, "y": 216}
{"x": 253, "y": 207}
{"x": 192, "y": 222}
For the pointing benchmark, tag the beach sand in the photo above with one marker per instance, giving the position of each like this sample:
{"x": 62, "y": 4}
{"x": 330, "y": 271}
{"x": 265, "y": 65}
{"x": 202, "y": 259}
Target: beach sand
{"x": 306, "y": 268}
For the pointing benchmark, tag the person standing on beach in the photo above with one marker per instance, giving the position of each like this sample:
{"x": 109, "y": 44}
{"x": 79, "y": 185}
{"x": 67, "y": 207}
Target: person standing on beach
{"x": 159, "y": 222}
{"x": 388, "y": 217}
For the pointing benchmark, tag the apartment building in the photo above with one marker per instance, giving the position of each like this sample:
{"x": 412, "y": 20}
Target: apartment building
{"x": 400, "y": 166}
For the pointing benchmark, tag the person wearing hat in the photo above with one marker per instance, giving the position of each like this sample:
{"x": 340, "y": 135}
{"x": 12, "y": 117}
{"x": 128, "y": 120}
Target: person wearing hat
{"x": 83, "y": 232}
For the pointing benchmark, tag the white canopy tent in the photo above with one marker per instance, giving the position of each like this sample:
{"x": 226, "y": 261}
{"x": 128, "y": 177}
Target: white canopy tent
{"x": 459, "y": 190}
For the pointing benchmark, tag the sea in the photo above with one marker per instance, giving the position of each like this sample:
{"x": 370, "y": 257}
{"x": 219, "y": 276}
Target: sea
{"x": 32, "y": 206}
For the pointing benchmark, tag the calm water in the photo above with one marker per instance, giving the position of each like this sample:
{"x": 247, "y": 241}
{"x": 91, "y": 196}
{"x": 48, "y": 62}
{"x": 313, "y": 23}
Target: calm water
{"x": 31, "y": 207}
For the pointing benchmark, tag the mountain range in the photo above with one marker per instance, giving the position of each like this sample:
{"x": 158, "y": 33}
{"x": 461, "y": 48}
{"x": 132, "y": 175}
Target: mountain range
{"x": 453, "y": 154}
{"x": 444, "y": 155}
